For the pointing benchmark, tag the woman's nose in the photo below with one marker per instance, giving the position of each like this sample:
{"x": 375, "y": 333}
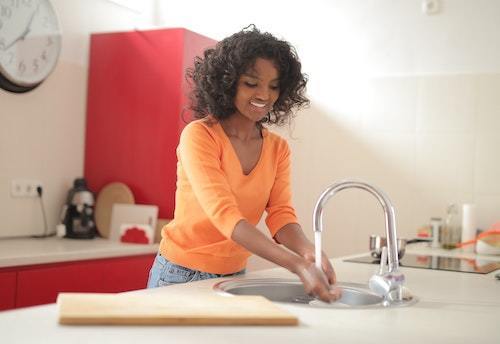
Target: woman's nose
{"x": 262, "y": 93}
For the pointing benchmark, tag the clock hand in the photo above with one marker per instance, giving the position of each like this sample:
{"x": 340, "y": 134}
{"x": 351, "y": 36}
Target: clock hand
{"x": 21, "y": 37}
{"x": 26, "y": 30}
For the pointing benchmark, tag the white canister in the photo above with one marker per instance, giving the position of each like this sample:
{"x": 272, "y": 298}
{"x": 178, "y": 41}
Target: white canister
{"x": 469, "y": 225}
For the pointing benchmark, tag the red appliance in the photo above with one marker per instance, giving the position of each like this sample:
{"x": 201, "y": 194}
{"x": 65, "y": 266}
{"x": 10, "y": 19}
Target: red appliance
{"x": 136, "y": 94}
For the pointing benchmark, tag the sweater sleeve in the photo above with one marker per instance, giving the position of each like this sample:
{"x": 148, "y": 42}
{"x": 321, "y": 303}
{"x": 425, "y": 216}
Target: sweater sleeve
{"x": 280, "y": 211}
{"x": 199, "y": 155}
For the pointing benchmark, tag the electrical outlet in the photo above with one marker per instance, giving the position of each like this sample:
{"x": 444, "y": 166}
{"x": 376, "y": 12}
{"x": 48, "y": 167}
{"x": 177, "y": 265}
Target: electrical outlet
{"x": 24, "y": 187}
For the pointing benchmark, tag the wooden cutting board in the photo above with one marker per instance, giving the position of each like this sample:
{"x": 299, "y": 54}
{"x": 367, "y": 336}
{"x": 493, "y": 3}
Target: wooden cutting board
{"x": 211, "y": 309}
{"x": 110, "y": 194}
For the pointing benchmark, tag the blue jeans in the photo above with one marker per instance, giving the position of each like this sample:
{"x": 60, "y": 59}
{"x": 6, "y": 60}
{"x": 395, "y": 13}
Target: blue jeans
{"x": 164, "y": 272}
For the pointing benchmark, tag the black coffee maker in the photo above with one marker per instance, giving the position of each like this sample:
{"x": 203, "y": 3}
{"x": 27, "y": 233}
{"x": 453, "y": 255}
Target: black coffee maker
{"x": 78, "y": 212}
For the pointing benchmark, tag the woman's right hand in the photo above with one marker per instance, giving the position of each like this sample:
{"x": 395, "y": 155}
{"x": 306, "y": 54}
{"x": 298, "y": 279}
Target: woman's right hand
{"x": 315, "y": 282}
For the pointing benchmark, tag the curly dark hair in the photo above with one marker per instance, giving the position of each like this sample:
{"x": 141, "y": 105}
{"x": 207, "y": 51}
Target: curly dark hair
{"x": 214, "y": 77}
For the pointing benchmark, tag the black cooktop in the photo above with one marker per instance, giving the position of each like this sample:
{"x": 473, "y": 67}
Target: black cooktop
{"x": 437, "y": 263}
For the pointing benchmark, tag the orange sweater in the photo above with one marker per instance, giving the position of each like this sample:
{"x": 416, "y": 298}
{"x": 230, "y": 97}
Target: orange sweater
{"x": 213, "y": 195}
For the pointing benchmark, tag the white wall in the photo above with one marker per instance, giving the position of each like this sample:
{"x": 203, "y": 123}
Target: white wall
{"x": 42, "y": 132}
{"x": 405, "y": 100}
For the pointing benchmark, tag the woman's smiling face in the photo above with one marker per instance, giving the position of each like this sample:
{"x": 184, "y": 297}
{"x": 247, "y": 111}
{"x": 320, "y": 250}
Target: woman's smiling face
{"x": 257, "y": 90}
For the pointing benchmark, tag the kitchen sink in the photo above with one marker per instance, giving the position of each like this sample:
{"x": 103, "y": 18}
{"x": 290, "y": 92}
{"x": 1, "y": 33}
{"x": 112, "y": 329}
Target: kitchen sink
{"x": 354, "y": 295}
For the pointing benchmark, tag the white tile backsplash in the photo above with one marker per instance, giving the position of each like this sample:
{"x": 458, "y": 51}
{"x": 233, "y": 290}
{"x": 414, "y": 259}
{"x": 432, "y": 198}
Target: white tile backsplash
{"x": 488, "y": 210}
{"x": 446, "y": 103}
{"x": 488, "y": 104}
{"x": 487, "y": 164}
{"x": 391, "y": 155}
{"x": 445, "y": 162}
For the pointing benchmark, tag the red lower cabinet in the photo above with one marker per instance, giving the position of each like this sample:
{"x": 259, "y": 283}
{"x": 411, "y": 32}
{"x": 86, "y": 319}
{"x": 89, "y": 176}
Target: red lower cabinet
{"x": 40, "y": 284}
{"x": 7, "y": 290}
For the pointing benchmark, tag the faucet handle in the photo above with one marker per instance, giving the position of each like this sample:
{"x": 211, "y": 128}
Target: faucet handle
{"x": 384, "y": 282}
{"x": 383, "y": 261}
{"x": 378, "y": 283}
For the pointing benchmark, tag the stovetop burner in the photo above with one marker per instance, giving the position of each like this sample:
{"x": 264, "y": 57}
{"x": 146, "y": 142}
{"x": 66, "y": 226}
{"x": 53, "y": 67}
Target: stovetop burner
{"x": 437, "y": 263}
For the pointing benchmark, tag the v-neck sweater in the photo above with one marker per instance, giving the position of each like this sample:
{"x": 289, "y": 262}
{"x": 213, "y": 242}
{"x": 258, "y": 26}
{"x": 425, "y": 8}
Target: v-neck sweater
{"x": 213, "y": 195}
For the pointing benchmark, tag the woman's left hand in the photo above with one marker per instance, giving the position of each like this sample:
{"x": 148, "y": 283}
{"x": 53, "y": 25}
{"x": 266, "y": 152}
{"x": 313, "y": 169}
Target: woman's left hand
{"x": 309, "y": 255}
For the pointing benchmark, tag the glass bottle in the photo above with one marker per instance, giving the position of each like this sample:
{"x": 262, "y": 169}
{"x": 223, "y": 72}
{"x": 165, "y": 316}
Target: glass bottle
{"x": 452, "y": 229}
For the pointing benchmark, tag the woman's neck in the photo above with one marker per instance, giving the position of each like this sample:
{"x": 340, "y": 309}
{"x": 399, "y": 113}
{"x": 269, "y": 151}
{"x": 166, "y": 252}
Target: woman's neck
{"x": 241, "y": 128}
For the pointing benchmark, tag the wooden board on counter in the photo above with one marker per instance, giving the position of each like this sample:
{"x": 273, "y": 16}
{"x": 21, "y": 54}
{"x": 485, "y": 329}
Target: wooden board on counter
{"x": 122, "y": 309}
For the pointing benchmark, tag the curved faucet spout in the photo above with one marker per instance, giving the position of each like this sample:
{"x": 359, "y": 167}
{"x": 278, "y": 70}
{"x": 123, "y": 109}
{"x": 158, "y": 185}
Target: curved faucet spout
{"x": 390, "y": 220}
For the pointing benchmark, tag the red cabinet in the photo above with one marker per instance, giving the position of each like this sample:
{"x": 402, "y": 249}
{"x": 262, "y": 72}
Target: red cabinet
{"x": 136, "y": 94}
{"x": 40, "y": 284}
{"x": 7, "y": 289}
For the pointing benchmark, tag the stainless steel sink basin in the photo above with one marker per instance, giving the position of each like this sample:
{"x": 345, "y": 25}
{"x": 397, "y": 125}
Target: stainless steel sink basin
{"x": 354, "y": 295}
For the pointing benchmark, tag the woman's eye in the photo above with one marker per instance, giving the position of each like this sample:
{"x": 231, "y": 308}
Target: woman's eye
{"x": 253, "y": 85}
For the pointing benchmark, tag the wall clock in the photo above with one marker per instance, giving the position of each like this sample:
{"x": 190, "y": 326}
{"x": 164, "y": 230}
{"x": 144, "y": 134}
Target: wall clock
{"x": 30, "y": 43}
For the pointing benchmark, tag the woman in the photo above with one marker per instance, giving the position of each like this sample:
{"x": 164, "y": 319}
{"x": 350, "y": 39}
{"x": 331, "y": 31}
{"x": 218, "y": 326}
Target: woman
{"x": 231, "y": 169}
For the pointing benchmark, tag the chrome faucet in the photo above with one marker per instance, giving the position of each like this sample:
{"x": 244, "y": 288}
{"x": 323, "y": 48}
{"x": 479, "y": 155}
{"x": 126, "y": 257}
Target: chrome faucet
{"x": 388, "y": 282}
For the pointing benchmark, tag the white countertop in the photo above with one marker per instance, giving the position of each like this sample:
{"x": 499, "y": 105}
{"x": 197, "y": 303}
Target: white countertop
{"x": 30, "y": 251}
{"x": 453, "y": 308}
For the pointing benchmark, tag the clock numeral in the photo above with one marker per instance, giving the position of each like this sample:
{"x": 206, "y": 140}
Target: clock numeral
{"x": 5, "y": 12}
{"x": 44, "y": 55}
{"x": 21, "y": 67}
{"x": 36, "y": 65}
